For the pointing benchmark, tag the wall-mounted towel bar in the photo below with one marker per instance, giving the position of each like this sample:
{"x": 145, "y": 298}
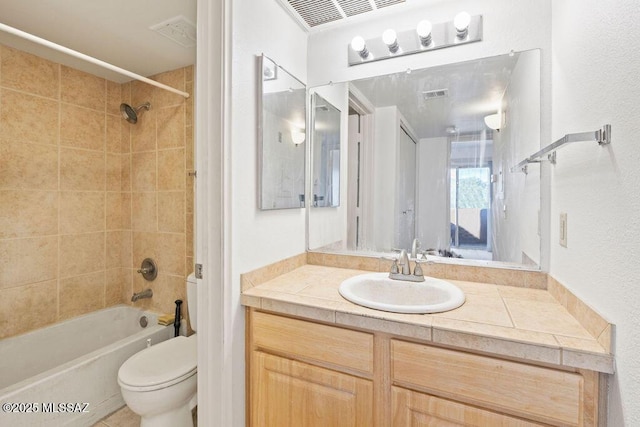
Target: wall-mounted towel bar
{"x": 601, "y": 136}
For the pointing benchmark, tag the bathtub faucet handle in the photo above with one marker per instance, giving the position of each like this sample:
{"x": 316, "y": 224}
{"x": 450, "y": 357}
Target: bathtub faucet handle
{"x": 148, "y": 269}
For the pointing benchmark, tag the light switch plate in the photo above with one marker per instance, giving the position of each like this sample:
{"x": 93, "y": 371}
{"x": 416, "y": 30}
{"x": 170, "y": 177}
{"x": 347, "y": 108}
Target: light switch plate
{"x": 563, "y": 230}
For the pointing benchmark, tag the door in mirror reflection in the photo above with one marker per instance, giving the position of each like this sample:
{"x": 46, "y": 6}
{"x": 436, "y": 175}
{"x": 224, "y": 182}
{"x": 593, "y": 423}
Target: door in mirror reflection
{"x": 326, "y": 153}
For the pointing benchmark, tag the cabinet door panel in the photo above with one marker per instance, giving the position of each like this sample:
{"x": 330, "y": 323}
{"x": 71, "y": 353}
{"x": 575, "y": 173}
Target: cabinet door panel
{"x": 413, "y": 409}
{"x": 524, "y": 390}
{"x": 286, "y": 393}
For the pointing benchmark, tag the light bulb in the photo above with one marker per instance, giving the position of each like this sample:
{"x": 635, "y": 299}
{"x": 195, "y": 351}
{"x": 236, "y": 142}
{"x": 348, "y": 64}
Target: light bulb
{"x": 390, "y": 38}
{"x": 493, "y": 121}
{"x": 461, "y": 22}
{"x": 358, "y": 44}
{"x": 424, "y": 32}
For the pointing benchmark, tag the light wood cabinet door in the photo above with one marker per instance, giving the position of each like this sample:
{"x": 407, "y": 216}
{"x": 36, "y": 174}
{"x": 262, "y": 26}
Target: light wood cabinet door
{"x": 414, "y": 409}
{"x": 287, "y": 393}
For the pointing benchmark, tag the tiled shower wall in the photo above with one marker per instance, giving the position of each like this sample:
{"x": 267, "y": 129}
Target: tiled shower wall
{"x": 85, "y": 196}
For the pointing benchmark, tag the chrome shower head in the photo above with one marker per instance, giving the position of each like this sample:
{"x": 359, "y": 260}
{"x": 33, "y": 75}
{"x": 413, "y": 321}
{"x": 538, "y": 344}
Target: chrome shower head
{"x": 130, "y": 114}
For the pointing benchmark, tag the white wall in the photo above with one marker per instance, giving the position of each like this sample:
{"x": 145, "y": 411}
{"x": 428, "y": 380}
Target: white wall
{"x": 596, "y": 58}
{"x": 432, "y": 216}
{"x": 258, "y": 237}
{"x": 515, "y": 234}
{"x": 515, "y": 25}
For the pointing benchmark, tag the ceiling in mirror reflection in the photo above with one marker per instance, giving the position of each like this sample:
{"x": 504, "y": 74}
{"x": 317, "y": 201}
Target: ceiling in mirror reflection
{"x": 471, "y": 91}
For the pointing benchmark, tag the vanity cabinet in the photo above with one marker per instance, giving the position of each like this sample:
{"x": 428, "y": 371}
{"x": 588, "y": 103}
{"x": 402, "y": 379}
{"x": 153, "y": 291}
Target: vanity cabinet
{"x": 305, "y": 373}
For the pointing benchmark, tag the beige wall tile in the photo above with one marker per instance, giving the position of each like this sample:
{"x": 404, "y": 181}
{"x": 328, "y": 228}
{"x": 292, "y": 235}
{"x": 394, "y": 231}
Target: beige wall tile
{"x": 82, "y": 170}
{"x": 171, "y": 250}
{"x": 189, "y": 232}
{"x": 81, "y": 294}
{"x": 114, "y": 134}
{"x": 144, "y": 212}
{"x": 171, "y": 211}
{"x": 83, "y": 89}
{"x": 188, "y": 105}
{"x": 115, "y": 279}
{"x": 126, "y": 211}
{"x": 125, "y": 180}
{"x": 40, "y": 128}
{"x": 82, "y": 128}
{"x": 141, "y": 93}
{"x": 81, "y": 254}
{"x": 30, "y": 260}
{"x": 171, "y": 127}
{"x": 171, "y": 170}
{"x": 28, "y": 166}
{"x": 113, "y": 257}
{"x": 29, "y": 73}
{"x": 126, "y": 255}
{"x": 114, "y": 211}
{"x": 81, "y": 212}
{"x": 125, "y": 136}
{"x": 114, "y": 172}
{"x": 114, "y": 98}
{"x": 143, "y": 172}
{"x": 37, "y": 305}
{"x": 175, "y": 79}
{"x": 28, "y": 213}
{"x": 188, "y": 73}
{"x": 166, "y": 290}
{"x": 143, "y": 133}
{"x": 190, "y": 194}
{"x": 189, "y": 146}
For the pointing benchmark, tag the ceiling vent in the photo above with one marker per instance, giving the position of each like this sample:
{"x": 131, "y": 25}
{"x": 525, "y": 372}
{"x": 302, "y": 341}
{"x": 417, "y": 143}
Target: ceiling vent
{"x": 318, "y": 12}
{"x": 433, "y": 94}
{"x": 179, "y": 29}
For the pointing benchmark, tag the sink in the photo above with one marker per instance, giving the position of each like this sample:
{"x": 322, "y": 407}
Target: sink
{"x": 378, "y": 291}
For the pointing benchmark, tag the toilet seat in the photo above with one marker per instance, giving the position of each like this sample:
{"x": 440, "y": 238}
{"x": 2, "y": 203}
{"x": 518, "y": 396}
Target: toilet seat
{"x": 160, "y": 366}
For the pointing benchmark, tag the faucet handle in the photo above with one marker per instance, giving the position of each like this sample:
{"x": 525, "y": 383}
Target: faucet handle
{"x": 394, "y": 267}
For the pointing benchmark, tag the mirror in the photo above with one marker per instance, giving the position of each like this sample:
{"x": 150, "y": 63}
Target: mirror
{"x": 325, "y": 145}
{"x": 423, "y": 162}
{"x": 281, "y": 136}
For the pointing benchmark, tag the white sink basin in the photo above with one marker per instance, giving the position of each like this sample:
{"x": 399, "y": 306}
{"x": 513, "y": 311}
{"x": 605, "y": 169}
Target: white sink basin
{"x": 377, "y": 291}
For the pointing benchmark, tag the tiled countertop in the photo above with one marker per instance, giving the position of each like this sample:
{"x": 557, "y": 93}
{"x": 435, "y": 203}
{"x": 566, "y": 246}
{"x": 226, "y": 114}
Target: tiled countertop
{"x": 516, "y": 322}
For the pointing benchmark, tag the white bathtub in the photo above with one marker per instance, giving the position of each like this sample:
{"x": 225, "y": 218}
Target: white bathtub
{"x": 72, "y": 362}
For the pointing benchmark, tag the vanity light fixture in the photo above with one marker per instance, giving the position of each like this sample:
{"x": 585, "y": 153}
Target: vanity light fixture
{"x": 297, "y": 136}
{"x": 360, "y": 47}
{"x": 390, "y": 38}
{"x": 424, "y": 37}
{"x": 424, "y": 32}
{"x": 493, "y": 121}
{"x": 461, "y": 22}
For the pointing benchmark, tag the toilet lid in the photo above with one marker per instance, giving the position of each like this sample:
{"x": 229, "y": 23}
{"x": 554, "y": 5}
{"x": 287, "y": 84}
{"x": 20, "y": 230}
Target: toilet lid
{"x": 160, "y": 365}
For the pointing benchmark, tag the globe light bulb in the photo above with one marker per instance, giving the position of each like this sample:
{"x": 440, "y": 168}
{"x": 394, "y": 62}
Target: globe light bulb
{"x": 461, "y": 22}
{"x": 358, "y": 44}
{"x": 390, "y": 38}
{"x": 424, "y": 32}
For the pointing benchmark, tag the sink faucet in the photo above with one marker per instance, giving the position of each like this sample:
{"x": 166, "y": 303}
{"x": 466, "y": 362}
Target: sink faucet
{"x": 147, "y": 293}
{"x": 401, "y": 269}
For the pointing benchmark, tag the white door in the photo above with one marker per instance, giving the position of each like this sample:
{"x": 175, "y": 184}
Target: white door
{"x": 354, "y": 173}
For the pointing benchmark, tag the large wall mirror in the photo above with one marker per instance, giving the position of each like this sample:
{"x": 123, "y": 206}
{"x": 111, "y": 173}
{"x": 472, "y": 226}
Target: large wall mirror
{"x": 429, "y": 154}
{"x": 281, "y": 136}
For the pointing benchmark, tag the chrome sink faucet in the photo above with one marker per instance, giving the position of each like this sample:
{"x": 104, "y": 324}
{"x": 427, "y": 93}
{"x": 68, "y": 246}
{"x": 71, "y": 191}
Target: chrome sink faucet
{"x": 401, "y": 269}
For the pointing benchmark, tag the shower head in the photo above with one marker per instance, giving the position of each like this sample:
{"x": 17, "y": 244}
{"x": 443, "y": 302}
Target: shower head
{"x": 130, "y": 114}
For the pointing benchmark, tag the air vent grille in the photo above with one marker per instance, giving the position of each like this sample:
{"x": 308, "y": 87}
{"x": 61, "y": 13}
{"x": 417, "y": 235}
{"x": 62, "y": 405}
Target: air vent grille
{"x": 385, "y": 3}
{"x": 316, "y": 12}
{"x": 438, "y": 93}
{"x": 355, "y": 7}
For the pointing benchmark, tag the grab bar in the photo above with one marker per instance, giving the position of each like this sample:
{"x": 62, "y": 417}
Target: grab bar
{"x": 601, "y": 136}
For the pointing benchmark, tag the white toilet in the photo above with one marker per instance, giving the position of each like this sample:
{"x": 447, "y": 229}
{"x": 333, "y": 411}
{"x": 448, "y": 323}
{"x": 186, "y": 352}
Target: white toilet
{"x": 159, "y": 382}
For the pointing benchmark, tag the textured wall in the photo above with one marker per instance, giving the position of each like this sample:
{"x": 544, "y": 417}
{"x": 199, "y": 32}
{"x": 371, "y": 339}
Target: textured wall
{"x": 595, "y": 73}
{"x": 65, "y": 194}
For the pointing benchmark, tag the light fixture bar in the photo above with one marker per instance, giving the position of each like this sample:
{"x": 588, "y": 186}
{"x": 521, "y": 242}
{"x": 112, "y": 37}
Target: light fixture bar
{"x": 443, "y": 35}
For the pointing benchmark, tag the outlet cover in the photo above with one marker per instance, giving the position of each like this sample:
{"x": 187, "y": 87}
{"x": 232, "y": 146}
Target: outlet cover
{"x": 563, "y": 230}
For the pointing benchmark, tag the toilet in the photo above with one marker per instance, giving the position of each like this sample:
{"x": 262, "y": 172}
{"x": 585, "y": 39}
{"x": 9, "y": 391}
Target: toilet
{"x": 159, "y": 382}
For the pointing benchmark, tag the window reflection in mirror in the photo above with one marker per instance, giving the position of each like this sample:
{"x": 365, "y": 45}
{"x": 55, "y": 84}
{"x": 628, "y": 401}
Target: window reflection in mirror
{"x": 425, "y": 164}
{"x": 282, "y": 127}
{"x": 325, "y": 143}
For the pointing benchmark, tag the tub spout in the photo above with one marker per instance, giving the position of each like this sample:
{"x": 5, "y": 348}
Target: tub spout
{"x": 147, "y": 293}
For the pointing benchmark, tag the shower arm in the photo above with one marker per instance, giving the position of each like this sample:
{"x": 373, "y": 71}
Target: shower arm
{"x": 95, "y": 61}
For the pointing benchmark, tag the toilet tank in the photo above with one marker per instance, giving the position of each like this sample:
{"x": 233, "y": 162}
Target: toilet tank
{"x": 192, "y": 300}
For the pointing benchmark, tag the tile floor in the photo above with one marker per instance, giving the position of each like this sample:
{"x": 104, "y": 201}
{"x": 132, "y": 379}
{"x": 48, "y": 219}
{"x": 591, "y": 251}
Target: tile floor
{"x": 124, "y": 417}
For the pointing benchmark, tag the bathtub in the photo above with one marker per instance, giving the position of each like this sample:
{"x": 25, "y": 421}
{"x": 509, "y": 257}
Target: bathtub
{"x": 66, "y": 374}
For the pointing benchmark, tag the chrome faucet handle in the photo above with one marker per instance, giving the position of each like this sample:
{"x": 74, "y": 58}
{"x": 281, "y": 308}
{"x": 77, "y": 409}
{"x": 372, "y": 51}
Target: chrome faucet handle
{"x": 417, "y": 271}
{"x": 394, "y": 266}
